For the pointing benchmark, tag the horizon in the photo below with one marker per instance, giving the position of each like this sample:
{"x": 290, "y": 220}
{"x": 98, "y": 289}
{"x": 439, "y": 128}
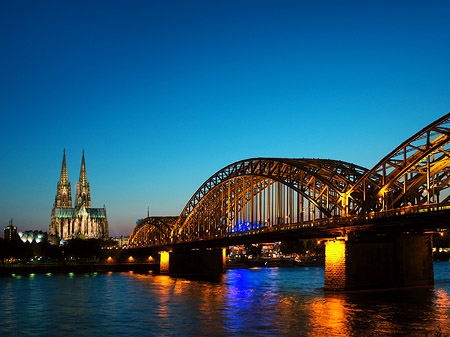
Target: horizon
{"x": 162, "y": 95}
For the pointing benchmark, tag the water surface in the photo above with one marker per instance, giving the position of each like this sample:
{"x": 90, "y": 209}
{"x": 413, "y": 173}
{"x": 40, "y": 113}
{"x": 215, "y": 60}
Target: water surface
{"x": 261, "y": 301}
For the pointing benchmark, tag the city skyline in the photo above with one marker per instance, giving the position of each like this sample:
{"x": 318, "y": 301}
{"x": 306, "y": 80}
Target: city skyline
{"x": 162, "y": 96}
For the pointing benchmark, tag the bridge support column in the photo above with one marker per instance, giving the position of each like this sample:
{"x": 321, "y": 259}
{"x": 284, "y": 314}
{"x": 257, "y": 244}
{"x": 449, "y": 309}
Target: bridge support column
{"x": 399, "y": 261}
{"x": 198, "y": 261}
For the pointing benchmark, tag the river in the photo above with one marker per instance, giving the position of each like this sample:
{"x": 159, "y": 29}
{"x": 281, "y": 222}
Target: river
{"x": 242, "y": 302}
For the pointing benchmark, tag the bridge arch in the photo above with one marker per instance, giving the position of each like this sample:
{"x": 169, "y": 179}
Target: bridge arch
{"x": 417, "y": 172}
{"x": 268, "y": 192}
{"x": 234, "y": 195}
{"x": 151, "y": 231}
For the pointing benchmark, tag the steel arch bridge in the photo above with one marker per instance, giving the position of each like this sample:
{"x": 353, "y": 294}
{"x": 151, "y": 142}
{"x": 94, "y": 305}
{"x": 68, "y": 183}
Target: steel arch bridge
{"x": 152, "y": 230}
{"x": 260, "y": 194}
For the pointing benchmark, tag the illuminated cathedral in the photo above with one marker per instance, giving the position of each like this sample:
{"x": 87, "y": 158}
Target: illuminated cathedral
{"x": 68, "y": 222}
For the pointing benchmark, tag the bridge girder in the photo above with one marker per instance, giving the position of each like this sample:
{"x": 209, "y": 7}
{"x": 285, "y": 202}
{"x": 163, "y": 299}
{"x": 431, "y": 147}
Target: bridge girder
{"x": 321, "y": 182}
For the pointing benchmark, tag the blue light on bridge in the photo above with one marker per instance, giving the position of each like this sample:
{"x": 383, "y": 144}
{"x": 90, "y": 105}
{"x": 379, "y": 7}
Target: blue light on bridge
{"x": 244, "y": 227}
{"x": 247, "y": 226}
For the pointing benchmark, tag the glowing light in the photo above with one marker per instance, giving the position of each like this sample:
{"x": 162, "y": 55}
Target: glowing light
{"x": 335, "y": 264}
{"x": 130, "y": 259}
{"x": 150, "y": 259}
{"x": 164, "y": 262}
{"x": 71, "y": 274}
{"x": 243, "y": 227}
{"x": 335, "y": 251}
{"x": 224, "y": 258}
{"x": 247, "y": 226}
{"x": 109, "y": 259}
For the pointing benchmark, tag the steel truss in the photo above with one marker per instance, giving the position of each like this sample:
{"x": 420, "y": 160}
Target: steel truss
{"x": 267, "y": 192}
{"x": 151, "y": 231}
{"x": 415, "y": 173}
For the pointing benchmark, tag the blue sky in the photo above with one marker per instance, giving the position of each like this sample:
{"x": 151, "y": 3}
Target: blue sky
{"x": 162, "y": 94}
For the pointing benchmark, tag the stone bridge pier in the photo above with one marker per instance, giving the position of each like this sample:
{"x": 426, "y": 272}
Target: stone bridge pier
{"x": 193, "y": 261}
{"x": 379, "y": 262}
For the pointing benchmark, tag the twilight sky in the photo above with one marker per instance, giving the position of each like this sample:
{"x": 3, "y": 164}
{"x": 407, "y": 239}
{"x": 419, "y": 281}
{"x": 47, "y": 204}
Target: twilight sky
{"x": 163, "y": 94}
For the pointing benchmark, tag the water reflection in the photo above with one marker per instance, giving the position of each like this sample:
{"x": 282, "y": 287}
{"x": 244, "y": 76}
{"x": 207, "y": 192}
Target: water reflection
{"x": 384, "y": 312}
{"x": 264, "y": 301}
{"x": 441, "y": 305}
{"x": 251, "y": 303}
{"x": 329, "y": 315}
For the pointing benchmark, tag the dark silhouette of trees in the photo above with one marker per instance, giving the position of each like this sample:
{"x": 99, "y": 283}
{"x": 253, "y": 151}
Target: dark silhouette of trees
{"x": 82, "y": 249}
{"x": 15, "y": 249}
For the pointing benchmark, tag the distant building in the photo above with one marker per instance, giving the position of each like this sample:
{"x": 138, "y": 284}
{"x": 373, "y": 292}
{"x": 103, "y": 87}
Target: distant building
{"x": 122, "y": 240}
{"x": 10, "y": 232}
{"x": 31, "y": 236}
{"x": 82, "y": 220}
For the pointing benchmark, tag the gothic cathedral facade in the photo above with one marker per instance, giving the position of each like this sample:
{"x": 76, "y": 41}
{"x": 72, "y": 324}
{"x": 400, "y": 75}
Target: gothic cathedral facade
{"x": 82, "y": 220}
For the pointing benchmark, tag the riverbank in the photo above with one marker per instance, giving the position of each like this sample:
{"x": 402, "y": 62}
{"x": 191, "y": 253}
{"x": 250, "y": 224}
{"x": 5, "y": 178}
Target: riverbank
{"x": 441, "y": 256}
{"x": 81, "y": 268}
{"x": 23, "y": 269}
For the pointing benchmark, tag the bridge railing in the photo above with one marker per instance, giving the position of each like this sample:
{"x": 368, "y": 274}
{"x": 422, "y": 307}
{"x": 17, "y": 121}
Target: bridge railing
{"x": 325, "y": 222}
{"x": 335, "y": 221}
{"x": 339, "y": 221}
{"x": 408, "y": 210}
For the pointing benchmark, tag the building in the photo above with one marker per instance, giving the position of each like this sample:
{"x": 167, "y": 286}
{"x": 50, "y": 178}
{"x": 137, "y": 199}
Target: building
{"x": 10, "y": 232}
{"x": 68, "y": 222}
{"x": 35, "y": 236}
{"x": 121, "y": 240}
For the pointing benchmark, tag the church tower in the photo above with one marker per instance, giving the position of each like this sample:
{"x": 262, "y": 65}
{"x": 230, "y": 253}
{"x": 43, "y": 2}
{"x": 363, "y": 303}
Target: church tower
{"x": 82, "y": 220}
{"x": 63, "y": 191}
{"x": 82, "y": 190}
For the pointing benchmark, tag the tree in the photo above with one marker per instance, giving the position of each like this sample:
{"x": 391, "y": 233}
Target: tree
{"x": 83, "y": 249}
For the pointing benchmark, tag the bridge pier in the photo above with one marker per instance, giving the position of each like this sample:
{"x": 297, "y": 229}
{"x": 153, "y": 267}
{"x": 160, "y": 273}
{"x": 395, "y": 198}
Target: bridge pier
{"x": 193, "y": 261}
{"x": 379, "y": 262}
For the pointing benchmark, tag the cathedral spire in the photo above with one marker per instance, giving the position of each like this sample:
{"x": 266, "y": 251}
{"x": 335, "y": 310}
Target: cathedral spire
{"x": 64, "y": 179}
{"x": 82, "y": 190}
{"x": 63, "y": 197}
{"x": 83, "y": 177}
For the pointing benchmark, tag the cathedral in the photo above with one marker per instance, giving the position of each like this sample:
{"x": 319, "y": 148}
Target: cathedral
{"x": 69, "y": 222}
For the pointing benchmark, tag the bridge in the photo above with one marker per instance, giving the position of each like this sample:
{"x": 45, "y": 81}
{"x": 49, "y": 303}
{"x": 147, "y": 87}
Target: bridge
{"x": 375, "y": 221}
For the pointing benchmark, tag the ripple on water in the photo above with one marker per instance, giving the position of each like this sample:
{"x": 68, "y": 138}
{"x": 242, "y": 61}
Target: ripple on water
{"x": 263, "y": 301}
